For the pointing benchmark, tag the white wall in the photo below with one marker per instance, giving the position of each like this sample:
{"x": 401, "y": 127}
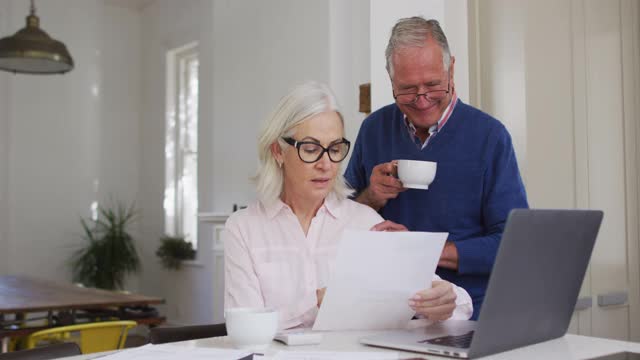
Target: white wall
{"x": 452, "y": 15}
{"x": 456, "y": 27}
{"x": 71, "y": 139}
{"x": 4, "y": 149}
{"x": 261, "y": 50}
{"x": 549, "y": 114}
{"x": 349, "y": 58}
{"x": 502, "y": 78}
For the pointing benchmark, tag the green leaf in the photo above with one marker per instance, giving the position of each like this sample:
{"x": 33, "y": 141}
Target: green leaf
{"x": 109, "y": 253}
{"x": 173, "y": 250}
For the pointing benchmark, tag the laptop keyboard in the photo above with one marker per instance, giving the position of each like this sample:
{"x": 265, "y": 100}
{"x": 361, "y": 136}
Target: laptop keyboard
{"x": 458, "y": 341}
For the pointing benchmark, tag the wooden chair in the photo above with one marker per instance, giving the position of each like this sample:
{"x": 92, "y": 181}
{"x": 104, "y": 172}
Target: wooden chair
{"x": 92, "y": 337}
{"x": 161, "y": 335}
{"x": 44, "y": 353}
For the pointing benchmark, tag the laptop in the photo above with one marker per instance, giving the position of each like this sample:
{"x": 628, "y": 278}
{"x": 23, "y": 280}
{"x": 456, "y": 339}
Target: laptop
{"x": 532, "y": 291}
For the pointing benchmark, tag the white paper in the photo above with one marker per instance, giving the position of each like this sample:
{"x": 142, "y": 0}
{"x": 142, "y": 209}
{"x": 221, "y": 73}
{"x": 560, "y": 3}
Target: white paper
{"x": 334, "y": 355}
{"x": 374, "y": 276}
{"x": 175, "y": 352}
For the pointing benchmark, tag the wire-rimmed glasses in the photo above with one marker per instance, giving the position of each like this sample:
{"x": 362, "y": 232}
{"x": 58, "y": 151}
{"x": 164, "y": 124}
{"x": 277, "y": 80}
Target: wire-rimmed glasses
{"x": 411, "y": 97}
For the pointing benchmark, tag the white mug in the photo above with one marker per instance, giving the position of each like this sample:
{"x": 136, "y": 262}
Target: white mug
{"x": 416, "y": 174}
{"x": 251, "y": 328}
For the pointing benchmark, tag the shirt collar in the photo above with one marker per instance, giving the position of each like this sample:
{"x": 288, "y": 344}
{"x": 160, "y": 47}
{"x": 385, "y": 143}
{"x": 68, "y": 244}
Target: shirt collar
{"x": 272, "y": 209}
{"x": 331, "y": 205}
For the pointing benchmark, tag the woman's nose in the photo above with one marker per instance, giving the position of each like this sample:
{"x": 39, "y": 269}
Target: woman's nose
{"x": 324, "y": 161}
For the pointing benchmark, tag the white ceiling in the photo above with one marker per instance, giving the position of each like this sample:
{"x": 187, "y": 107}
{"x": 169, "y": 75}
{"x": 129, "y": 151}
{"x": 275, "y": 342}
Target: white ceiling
{"x": 131, "y": 4}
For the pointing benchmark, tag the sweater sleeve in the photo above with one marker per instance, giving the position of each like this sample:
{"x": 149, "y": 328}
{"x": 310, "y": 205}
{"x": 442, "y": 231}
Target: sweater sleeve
{"x": 504, "y": 191}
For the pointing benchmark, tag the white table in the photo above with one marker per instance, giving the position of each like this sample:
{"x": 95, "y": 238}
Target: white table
{"x": 566, "y": 348}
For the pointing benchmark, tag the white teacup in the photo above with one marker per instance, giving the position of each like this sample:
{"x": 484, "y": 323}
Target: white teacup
{"x": 251, "y": 328}
{"x": 416, "y": 174}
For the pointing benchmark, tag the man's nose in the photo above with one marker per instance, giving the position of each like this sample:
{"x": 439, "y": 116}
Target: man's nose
{"x": 422, "y": 99}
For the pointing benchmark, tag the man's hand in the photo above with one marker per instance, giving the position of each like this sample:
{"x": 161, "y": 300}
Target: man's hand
{"x": 383, "y": 185}
{"x": 449, "y": 256}
{"x": 388, "y": 225}
{"x": 436, "y": 303}
{"x": 320, "y": 295}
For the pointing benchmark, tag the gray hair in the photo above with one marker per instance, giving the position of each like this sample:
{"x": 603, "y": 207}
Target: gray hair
{"x": 413, "y": 32}
{"x": 300, "y": 104}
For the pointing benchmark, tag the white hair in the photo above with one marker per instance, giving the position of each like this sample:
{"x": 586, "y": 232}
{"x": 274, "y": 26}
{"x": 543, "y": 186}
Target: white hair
{"x": 303, "y": 102}
{"x": 414, "y": 32}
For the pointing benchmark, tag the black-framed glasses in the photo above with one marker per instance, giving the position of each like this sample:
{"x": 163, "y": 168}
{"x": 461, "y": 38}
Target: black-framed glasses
{"x": 311, "y": 151}
{"x": 411, "y": 97}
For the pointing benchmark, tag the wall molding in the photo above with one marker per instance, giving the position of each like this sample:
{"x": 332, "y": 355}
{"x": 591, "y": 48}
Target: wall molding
{"x": 581, "y": 136}
{"x": 475, "y": 56}
{"x": 5, "y": 139}
{"x": 630, "y": 38}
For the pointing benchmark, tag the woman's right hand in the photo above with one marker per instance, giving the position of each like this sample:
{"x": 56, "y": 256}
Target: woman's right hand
{"x": 436, "y": 303}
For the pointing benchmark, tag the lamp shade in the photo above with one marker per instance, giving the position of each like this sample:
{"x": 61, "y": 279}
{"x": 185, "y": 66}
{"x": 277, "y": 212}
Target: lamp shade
{"x": 33, "y": 51}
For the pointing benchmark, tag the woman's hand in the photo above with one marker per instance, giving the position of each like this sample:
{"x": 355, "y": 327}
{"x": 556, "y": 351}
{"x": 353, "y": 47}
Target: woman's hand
{"x": 388, "y": 225}
{"x": 320, "y": 295}
{"x": 436, "y": 303}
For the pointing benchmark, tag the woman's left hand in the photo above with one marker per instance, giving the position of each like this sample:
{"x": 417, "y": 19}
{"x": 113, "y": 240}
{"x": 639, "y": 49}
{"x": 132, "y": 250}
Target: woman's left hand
{"x": 388, "y": 225}
{"x": 436, "y": 303}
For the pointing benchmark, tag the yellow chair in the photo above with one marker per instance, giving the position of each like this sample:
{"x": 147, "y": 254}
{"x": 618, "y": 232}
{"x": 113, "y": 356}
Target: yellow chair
{"x": 92, "y": 337}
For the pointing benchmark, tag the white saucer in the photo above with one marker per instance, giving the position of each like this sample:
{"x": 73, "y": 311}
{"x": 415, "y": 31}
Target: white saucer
{"x": 416, "y": 186}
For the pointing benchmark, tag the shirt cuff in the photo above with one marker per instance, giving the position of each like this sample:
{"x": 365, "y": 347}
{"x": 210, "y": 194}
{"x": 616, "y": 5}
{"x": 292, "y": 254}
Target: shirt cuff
{"x": 464, "y": 305}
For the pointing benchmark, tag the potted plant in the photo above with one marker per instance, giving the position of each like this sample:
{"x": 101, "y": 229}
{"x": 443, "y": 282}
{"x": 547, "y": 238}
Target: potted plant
{"x": 109, "y": 253}
{"x": 173, "y": 250}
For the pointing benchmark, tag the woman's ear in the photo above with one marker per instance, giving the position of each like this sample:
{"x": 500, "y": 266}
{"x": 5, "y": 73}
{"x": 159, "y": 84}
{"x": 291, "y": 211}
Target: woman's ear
{"x": 276, "y": 151}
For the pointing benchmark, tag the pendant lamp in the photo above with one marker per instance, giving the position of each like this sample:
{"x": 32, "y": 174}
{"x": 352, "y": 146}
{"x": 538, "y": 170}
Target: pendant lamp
{"x": 33, "y": 51}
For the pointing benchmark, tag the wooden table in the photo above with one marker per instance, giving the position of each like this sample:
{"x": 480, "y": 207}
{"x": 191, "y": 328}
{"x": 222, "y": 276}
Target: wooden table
{"x": 20, "y": 295}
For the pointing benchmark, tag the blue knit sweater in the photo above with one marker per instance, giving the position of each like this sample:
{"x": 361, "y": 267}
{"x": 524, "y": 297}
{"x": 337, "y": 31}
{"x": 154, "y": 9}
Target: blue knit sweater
{"x": 477, "y": 183}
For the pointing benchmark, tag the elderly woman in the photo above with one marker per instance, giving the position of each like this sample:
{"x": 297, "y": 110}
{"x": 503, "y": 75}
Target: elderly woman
{"x": 280, "y": 250}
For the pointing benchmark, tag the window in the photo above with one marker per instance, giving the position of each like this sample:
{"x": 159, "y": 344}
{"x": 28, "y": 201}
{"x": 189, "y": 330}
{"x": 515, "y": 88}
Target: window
{"x": 181, "y": 144}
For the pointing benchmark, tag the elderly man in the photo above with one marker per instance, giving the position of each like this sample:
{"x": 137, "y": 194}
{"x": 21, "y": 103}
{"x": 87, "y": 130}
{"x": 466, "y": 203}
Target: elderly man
{"x": 477, "y": 181}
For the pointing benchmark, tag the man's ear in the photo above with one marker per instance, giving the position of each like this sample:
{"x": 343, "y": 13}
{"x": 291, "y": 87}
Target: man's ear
{"x": 451, "y": 72}
{"x": 276, "y": 151}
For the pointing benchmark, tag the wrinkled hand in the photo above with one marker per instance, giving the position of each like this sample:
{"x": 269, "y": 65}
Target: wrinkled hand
{"x": 388, "y": 225}
{"x": 383, "y": 185}
{"x": 436, "y": 303}
{"x": 320, "y": 295}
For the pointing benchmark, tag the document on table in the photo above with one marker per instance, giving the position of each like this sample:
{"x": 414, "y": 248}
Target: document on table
{"x": 374, "y": 276}
{"x": 177, "y": 352}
